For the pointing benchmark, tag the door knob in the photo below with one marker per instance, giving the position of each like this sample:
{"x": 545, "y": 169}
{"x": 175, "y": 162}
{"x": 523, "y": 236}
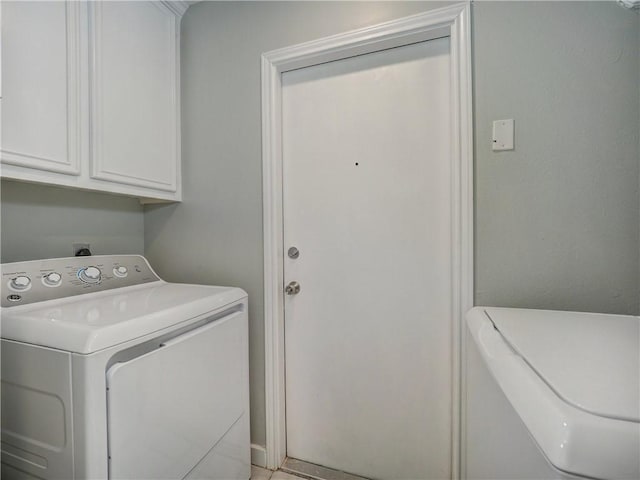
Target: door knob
{"x": 292, "y": 289}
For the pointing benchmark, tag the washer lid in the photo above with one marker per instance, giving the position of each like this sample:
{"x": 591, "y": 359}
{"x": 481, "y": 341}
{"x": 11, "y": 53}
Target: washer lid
{"x": 95, "y": 321}
{"x": 591, "y": 361}
{"x": 556, "y": 369}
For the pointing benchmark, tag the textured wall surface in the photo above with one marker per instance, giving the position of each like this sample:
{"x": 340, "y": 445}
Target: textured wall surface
{"x": 215, "y": 235}
{"x": 557, "y": 218}
{"x": 43, "y": 222}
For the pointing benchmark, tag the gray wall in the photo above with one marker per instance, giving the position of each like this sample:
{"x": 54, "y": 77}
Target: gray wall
{"x": 557, "y": 219}
{"x": 43, "y": 222}
{"x": 215, "y": 235}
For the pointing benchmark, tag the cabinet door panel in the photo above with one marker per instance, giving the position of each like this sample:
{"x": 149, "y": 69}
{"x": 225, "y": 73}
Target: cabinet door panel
{"x": 134, "y": 94}
{"x": 41, "y": 118}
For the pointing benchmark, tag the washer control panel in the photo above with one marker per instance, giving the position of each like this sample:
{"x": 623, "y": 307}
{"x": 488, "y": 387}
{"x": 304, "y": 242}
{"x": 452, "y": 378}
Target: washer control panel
{"x": 40, "y": 280}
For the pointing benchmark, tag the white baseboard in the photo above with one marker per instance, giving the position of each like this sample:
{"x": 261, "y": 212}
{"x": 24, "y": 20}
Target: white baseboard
{"x": 258, "y": 455}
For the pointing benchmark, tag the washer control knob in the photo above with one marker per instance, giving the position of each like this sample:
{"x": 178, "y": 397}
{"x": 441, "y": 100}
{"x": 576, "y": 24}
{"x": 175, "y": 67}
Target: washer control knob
{"x": 90, "y": 275}
{"x": 120, "y": 271}
{"x": 53, "y": 279}
{"x": 20, "y": 283}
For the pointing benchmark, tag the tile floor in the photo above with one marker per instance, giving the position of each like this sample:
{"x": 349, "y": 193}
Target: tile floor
{"x": 258, "y": 473}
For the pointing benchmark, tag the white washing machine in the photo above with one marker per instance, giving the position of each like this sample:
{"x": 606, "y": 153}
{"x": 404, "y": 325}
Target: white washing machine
{"x": 552, "y": 395}
{"x": 110, "y": 372}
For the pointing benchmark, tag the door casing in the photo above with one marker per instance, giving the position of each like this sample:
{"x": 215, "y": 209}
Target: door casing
{"x": 453, "y": 22}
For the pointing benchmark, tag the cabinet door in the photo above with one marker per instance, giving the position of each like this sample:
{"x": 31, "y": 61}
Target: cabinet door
{"x": 134, "y": 102}
{"x": 41, "y": 76}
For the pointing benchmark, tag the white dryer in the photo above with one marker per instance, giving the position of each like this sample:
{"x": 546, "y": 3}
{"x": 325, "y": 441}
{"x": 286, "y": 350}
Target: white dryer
{"x": 552, "y": 395}
{"x": 108, "y": 372}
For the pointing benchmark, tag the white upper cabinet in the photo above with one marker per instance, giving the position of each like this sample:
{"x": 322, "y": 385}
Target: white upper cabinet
{"x": 42, "y": 105}
{"x": 134, "y": 92}
{"x": 91, "y": 95}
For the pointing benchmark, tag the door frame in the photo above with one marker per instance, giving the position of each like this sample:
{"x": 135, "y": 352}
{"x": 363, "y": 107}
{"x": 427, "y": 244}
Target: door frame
{"x": 453, "y": 22}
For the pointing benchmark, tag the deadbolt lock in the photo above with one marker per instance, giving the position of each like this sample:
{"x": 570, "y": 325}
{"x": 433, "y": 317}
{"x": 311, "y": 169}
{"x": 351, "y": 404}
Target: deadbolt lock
{"x": 293, "y": 252}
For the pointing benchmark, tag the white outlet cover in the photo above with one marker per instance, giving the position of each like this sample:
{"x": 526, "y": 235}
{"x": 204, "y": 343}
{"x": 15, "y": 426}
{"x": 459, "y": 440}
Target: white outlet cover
{"x": 503, "y": 134}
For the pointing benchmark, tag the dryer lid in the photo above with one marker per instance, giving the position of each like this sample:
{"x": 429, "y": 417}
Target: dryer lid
{"x": 591, "y": 361}
{"x": 89, "y": 323}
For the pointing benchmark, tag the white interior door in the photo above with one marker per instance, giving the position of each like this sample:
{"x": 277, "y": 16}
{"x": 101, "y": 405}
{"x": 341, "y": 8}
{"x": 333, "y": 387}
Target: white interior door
{"x": 367, "y": 198}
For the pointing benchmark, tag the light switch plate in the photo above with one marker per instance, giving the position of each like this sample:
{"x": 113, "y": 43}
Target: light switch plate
{"x": 503, "y": 134}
